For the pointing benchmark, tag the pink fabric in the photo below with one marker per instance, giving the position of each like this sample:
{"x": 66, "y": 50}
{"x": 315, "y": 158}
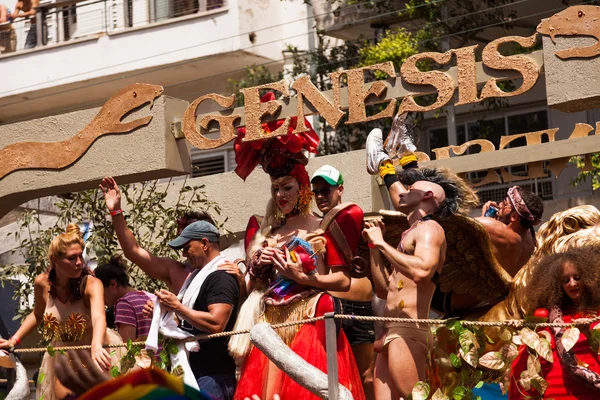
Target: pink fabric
{"x": 518, "y": 204}
{"x": 128, "y": 310}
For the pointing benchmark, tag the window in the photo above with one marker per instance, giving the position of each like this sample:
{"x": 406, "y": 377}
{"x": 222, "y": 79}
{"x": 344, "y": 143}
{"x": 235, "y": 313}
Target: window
{"x": 208, "y": 166}
{"x": 206, "y": 162}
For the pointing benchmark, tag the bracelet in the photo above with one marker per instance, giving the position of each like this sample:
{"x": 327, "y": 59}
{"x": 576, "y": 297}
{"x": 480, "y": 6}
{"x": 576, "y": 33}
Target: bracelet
{"x": 116, "y": 212}
{"x": 16, "y": 339}
{"x": 371, "y": 246}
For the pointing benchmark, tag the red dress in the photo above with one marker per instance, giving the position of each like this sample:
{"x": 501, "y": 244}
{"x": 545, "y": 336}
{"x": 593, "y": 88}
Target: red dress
{"x": 259, "y": 376}
{"x": 561, "y": 384}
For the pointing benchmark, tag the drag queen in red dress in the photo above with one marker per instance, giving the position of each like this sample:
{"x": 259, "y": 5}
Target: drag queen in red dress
{"x": 569, "y": 285}
{"x": 286, "y": 257}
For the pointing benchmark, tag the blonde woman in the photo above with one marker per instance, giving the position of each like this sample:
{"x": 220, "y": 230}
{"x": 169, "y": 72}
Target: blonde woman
{"x": 69, "y": 303}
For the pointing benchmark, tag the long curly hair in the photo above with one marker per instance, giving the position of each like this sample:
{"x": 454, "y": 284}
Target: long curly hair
{"x": 460, "y": 197}
{"x": 545, "y": 287}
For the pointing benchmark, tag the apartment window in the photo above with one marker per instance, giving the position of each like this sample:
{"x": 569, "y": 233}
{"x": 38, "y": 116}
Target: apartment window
{"x": 212, "y": 162}
{"x": 493, "y": 129}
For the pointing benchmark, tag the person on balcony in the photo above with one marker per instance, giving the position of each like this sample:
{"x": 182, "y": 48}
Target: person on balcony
{"x": 27, "y": 9}
{"x": 8, "y": 37}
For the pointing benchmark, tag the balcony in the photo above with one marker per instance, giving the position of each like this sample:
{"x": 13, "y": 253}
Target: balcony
{"x": 94, "y": 48}
{"x": 73, "y": 20}
{"x": 354, "y": 19}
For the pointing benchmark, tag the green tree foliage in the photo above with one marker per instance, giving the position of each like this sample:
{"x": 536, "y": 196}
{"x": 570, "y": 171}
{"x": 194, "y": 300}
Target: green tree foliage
{"x": 150, "y": 218}
{"x": 395, "y": 46}
{"x": 592, "y": 171}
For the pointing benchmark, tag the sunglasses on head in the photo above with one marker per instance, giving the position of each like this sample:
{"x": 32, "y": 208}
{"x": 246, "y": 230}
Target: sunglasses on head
{"x": 325, "y": 191}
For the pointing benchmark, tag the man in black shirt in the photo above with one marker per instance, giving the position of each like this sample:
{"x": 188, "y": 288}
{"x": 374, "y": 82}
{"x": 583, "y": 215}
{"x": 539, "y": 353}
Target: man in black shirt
{"x": 214, "y": 309}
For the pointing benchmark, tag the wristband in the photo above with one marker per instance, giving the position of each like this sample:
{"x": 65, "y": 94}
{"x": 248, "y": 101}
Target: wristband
{"x": 371, "y": 246}
{"x": 408, "y": 160}
{"x": 116, "y": 212}
{"x": 387, "y": 168}
{"x": 16, "y": 339}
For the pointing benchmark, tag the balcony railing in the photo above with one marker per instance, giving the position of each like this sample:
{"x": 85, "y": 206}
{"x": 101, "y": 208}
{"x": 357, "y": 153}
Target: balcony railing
{"x": 69, "y": 20}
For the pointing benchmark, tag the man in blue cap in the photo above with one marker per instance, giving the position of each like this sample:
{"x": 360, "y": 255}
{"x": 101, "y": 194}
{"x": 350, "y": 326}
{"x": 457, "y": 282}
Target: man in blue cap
{"x": 207, "y": 303}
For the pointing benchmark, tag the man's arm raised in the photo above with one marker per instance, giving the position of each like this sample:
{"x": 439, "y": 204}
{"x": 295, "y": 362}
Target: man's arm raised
{"x": 156, "y": 267}
{"x": 422, "y": 265}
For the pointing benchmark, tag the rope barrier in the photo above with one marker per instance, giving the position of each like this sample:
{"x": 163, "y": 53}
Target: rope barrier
{"x": 508, "y": 323}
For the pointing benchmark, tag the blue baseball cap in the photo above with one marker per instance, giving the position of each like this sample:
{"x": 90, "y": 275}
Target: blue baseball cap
{"x": 196, "y": 231}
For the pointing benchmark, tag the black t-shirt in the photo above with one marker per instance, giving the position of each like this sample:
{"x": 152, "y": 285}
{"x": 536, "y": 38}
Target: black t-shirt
{"x": 213, "y": 357}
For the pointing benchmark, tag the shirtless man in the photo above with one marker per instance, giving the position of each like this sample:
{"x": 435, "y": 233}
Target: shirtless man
{"x": 511, "y": 230}
{"x": 408, "y": 289}
{"x": 328, "y": 187}
{"x": 8, "y": 37}
{"x": 27, "y": 9}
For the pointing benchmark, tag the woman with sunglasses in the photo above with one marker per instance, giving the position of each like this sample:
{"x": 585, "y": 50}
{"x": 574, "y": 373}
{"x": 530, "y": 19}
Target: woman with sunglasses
{"x": 69, "y": 303}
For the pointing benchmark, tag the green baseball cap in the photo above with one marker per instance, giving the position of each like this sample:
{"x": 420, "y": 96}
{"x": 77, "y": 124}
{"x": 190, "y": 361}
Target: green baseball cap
{"x": 331, "y": 175}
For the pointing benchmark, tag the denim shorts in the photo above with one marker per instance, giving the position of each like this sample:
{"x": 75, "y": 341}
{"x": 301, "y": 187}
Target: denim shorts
{"x": 358, "y": 332}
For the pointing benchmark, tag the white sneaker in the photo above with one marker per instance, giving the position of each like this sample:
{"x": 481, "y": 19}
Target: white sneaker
{"x": 399, "y": 141}
{"x": 376, "y": 155}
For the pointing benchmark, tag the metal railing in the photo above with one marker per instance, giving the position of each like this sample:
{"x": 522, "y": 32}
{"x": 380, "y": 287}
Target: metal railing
{"x": 66, "y": 20}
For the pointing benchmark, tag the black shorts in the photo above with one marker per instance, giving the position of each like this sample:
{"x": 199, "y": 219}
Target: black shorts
{"x": 358, "y": 332}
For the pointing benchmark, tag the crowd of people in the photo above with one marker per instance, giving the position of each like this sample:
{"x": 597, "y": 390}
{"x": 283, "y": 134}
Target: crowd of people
{"x": 298, "y": 264}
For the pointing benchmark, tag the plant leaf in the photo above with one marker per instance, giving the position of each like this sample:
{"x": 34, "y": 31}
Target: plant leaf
{"x": 546, "y": 335}
{"x": 594, "y": 339}
{"x": 114, "y": 371}
{"x": 471, "y": 357}
{"x": 460, "y": 392}
{"x": 539, "y": 384}
{"x": 492, "y": 360}
{"x": 420, "y": 391}
{"x": 533, "y": 365}
{"x": 509, "y": 351}
{"x": 545, "y": 350}
{"x": 455, "y": 360}
{"x": 570, "y": 337}
{"x": 525, "y": 381}
{"x": 438, "y": 395}
{"x": 51, "y": 351}
{"x": 516, "y": 339}
{"x": 505, "y": 334}
{"x": 529, "y": 338}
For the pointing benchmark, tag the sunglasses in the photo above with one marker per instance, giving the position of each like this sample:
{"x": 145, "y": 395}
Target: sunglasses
{"x": 324, "y": 192}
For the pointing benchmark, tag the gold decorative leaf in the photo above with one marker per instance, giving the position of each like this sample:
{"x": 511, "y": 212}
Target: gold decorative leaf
{"x": 438, "y": 395}
{"x": 533, "y": 365}
{"x": 492, "y": 360}
{"x": 420, "y": 391}
{"x": 509, "y": 351}
{"x": 570, "y": 337}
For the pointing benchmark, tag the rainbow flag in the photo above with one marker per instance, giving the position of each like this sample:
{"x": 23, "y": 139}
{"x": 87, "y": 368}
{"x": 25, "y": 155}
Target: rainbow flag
{"x": 144, "y": 384}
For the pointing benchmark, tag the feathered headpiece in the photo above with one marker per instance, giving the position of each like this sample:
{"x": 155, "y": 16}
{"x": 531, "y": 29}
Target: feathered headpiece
{"x": 279, "y": 156}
